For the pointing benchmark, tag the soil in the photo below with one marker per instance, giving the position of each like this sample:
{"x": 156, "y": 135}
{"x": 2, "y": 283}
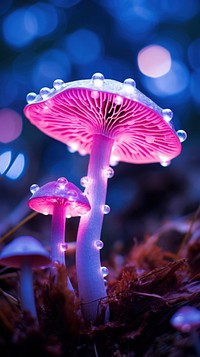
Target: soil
{"x": 145, "y": 288}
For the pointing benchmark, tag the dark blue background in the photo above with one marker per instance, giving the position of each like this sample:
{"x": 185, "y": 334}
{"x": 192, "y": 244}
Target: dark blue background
{"x": 42, "y": 41}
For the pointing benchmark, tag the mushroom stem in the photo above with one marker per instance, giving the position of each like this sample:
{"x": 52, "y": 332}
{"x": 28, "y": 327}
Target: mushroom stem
{"x": 58, "y": 238}
{"x": 90, "y": 279}
{"x": 58, "y": 234}
{"x": 26, "y": 290}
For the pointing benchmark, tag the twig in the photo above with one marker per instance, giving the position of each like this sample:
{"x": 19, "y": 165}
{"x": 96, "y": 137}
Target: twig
{"x": 9, "y": 297}
{"x": 21, "y": 223}
{"x": 7, "y": 275}
{"x": 188, "y": 233}
{"x": 150, "y": 295}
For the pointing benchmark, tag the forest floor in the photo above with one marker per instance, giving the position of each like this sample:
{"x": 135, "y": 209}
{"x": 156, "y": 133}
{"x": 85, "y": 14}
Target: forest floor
{"x": 145, "y": 288}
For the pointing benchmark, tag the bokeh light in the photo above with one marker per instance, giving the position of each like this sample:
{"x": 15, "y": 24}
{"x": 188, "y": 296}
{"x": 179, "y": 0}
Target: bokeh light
{"x": 194, "y": 54}
{"x": 50, "y": 65}
{"x": 8, "y": 88}
{"x": 19, "y": 28}
{"x": 175, "y": 42}
{"x": 152, "y": 11}
{"x": 144, "y": 22}
{"x": 10, "y": 125}
{"x": 83, "y": 46}
{"x": 23, "y": 25}
{"x": 154, "y": 61}
{"x": 172, "y": 83}
{"x": 179, "y": 11}
{"x": 5, "y": 160}
{"x": 17, "y": 167}
{"x": 46, "y": 18}
{"x": 134, "y": 19}
{"x": 11, "y": 165}
{"x": 157, "y": 43}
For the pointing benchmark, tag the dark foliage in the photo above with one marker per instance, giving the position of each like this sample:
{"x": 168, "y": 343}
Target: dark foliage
{"x": 143, "y": 293}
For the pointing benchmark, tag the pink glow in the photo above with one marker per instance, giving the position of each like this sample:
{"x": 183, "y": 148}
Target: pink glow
{"x": 154, "y": 61}
{"x": 54, "y": 193}
{"x": 119, "y": 123}
{"x": 140, "y": 134}
{"x": 10, "y": 125}
{"x": 88, "y": 262}
{"x": 60, "y": 199}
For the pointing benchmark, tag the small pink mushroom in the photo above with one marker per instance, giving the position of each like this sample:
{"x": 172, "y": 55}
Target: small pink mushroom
{"x": 26, "y": 253}
{"x": 61, "y": 199}
{"x": 187, "y": 320}
{"x": 111, "y": 121}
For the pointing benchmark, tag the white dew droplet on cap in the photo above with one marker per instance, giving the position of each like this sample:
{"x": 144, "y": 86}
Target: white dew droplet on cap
{"x": 98, "y": 80}
{"x": 58, "y": 83}
{"x": 31, "y": 97}
{"x": 34, "y": 188}
{"x": 182, "y": 135}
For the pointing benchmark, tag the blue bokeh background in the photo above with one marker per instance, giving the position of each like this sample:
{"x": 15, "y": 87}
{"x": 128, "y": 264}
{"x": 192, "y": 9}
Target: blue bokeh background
{"x": 71, "y": 40}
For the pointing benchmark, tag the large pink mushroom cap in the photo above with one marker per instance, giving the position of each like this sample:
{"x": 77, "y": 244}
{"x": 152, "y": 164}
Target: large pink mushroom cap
{"x": 73, "y": 112}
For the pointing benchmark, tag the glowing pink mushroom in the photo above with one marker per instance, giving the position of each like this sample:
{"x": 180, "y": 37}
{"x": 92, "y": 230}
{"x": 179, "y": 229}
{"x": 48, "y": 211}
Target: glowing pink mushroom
{"x": 111, "y": 121}
{"x": 61, "y": 199}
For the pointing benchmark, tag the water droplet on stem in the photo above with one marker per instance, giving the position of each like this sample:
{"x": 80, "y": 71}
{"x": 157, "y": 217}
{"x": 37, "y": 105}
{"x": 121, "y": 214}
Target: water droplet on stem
{"x": 63, "y": 247}
{"x": 106, "y": 209}
{"x": 104, "y": 271}
{"x": 109, "y": 172}
{"x": 84, "y": 181}
{"x": 165, "y": 163}
{"x": 99, "y": 244}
